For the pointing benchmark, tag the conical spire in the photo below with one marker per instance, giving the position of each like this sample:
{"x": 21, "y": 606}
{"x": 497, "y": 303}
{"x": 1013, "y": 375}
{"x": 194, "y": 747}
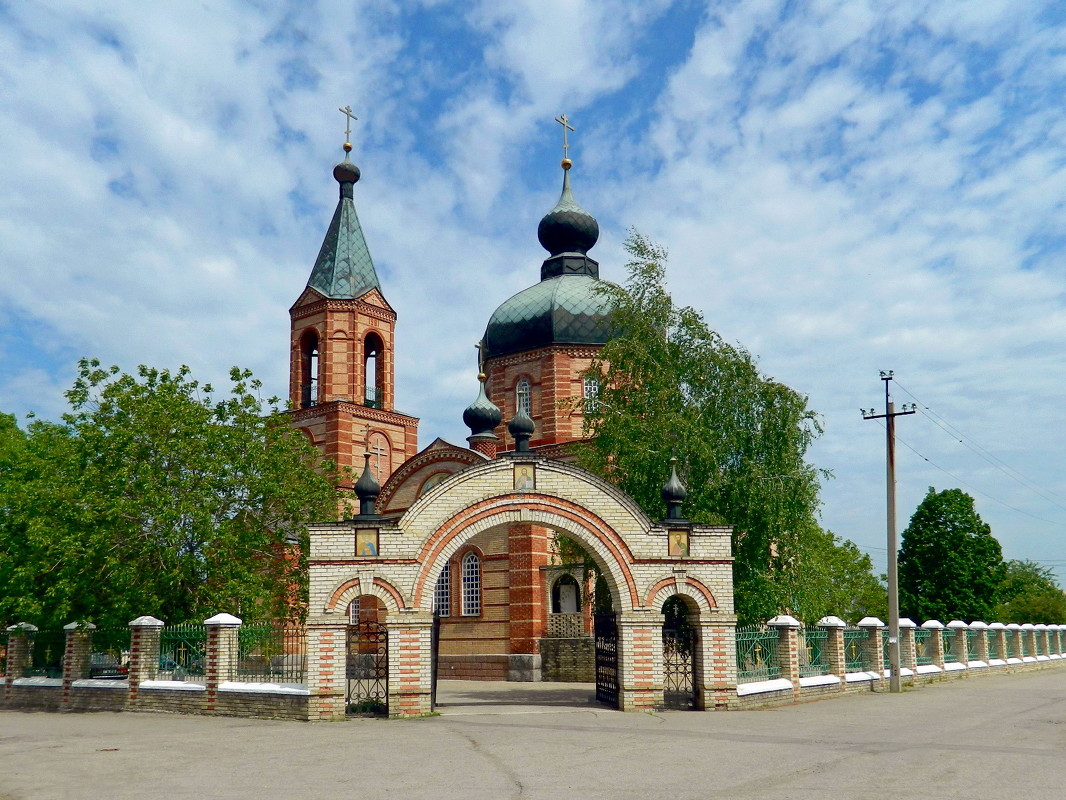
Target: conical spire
{"x": 344, "y": 269}
{"x": 674, "y": 493}
{"x": 367, "y": 489}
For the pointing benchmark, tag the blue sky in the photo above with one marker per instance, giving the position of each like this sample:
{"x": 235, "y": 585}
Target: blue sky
{"x": 844, "y": 187}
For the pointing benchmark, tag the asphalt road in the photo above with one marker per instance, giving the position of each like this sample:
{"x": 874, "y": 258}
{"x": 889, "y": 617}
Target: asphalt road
{"x": 982, "y": 737}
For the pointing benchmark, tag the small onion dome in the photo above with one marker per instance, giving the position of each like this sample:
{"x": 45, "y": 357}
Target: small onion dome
{"x": 346, "y": 172}
{"x": 482, "y": 416}
{"x": 674, "y": 493}
{"x": 521, "y": 427}
{"x": 367, "y": 489}
{"x": 568, "y": 228}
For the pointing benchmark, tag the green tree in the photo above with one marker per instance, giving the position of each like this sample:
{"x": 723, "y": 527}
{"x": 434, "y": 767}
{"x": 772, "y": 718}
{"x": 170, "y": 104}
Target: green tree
{"x": 671, "y": 386}
{"x": 152, "y": 496}
{"x": 950, "y": 564}
{"x": 832, "y": 576}
{"x": 1029, "y": 593}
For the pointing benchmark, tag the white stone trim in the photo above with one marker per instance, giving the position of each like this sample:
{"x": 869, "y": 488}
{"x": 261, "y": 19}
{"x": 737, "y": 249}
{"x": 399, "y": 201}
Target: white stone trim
{"x": 760, "y": 687}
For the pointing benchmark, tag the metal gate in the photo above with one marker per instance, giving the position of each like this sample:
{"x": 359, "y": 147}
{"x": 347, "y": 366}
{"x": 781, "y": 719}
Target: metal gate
{"x": 605, "y": 627}
{"x": 367, "y": 669}
{"x": 679, "y": 667}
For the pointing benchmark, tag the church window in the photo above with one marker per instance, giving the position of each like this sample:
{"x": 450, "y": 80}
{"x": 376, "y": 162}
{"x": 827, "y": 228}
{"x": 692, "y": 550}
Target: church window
{"x": 372, "y": 371}
{"x": 471, "y": 585}
{"x": 522, "y": 395}
{"x": 309, "y": 370}
{"x": 442, "y": 595}
{"x": 591, "y": 392}
{"x": 566, "y": 596}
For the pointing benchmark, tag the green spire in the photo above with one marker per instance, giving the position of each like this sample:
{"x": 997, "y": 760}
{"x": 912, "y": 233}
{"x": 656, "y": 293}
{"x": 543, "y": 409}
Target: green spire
{"x": 344, "y": 269}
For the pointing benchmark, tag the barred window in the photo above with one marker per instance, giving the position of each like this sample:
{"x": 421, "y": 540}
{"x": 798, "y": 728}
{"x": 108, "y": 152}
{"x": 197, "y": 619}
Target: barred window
{"x": 353, "y": 611}
{"x": 471, "y": 585}
{"x": 442, "y": 595}
{"x": 591, "y": 391}
{"x": 521, "y": 393}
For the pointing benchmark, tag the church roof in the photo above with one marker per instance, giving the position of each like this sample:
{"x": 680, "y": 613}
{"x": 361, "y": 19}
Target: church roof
{"x": 344, "y": 269}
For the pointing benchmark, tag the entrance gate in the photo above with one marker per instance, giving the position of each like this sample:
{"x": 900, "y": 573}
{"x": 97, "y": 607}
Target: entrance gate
{"x": 605, "y": 628}
{"x": 679, "y": 667}
{"x": 367, "y": 669}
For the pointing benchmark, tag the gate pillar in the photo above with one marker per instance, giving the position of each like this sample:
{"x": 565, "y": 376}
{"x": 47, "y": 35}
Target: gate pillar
{"x": 327, "y": 648}
{"x": 640, "y": 661}
{"x": 716, "y": 666}
{"x": 410, "y": 663}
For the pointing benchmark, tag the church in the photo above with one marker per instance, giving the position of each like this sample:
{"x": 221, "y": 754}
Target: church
{"x": 453, "y": 561}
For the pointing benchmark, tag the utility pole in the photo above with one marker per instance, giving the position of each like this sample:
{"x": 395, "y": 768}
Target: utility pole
{"x": 890, "y": 476}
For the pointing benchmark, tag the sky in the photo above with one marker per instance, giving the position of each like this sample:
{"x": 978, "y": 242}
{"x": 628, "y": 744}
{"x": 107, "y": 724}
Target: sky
{"x": 843, "y": 187}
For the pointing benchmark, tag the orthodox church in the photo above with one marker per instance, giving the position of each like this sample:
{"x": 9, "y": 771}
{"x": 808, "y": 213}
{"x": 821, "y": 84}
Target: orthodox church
{"x": 453, "y": 549}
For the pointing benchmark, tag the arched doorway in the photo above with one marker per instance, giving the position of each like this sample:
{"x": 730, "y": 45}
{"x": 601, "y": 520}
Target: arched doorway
{"x": 680, "y": 647}
{"x": 367, "y": 658}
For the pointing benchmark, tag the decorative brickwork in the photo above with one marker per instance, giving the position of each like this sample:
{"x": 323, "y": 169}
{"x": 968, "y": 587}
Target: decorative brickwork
{"x": 76, "y": 656}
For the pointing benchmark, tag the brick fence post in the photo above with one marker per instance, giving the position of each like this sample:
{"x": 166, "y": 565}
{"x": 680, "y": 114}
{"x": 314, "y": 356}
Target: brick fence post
{"x": 327, "y": 653}
{"x": 982, "y": 640}
{"x": 145, "y": 635}
{"x": 1014, "y": 634}
{"x": 1028, "y": 636}
{"x": 1040, "y": 631}
{"x": 834, "y": 647}
{"x": 936, "y": 639}
{"x": 908, "y": 656}
{"x": 19, "y": 653}
{"x": 410, "y": 663}
{"x": 221, "y": 656}
{"x": 79, "y": 644}
{"x": 1058, "y": 640}
{"x": 997, "y": 647}
{"x": 788, "y": 649}
{"x": 716, "y": 686}
{"x": 874, "y": 646}
{"x": 637, "y": 632}
{"x": 956, "y": 629}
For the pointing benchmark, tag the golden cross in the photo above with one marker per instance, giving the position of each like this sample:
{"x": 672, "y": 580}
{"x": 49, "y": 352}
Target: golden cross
{"x": 562, "y": 120}
{"x": 347, "y": 111}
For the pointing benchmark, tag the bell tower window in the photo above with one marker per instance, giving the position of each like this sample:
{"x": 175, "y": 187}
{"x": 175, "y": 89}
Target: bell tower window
{"x": 309, "y": 370}
{"x": 522, "y": 394}
{"x": 372, "y": 371}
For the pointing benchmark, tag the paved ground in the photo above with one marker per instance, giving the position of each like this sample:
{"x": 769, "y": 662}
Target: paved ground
{"x": 989, "y": 737}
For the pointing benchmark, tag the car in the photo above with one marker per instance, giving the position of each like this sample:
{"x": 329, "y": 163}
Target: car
{"x": 105, "y": 665}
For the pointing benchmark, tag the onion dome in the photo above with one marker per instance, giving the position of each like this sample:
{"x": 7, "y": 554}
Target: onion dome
{"x": 482, "y": 416}
{"x": 568, "y": 305}
{"x": 367, "y": 489}
{"x": 521, "y": 428}
{"x": 344, "y": 269}
{"x": 674, "y": 493}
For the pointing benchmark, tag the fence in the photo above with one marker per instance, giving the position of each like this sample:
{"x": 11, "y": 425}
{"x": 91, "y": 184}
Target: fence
{"x": 182, "y": 651}
{"x": 855, "y": 658}
{"x": 757, "y": 654}
{"x": 923, "y": 650}
{"x": 813, "y": 660}
{"x": 269, "y": 653}
{"x": 48, "y": 647}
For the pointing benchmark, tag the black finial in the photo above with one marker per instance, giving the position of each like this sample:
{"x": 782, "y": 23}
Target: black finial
{"x": 674, "y": 493}
{"x": 521, "y": 427}
{"x": 367, "y": 489}
{"x": 482, "y": 416}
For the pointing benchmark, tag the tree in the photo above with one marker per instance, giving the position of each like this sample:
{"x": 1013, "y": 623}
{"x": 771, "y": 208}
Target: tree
{"x": 154, "y": 497}
{"x": 832, "y": 576}
{"x": 1029, "y": 593}
{"x": 950, "y": 564}
{"x": 670, "y": 386}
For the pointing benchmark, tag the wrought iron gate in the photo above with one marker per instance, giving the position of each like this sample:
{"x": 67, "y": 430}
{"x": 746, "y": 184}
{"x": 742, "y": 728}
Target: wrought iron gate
{"x": 679, "y": 667}
{"x": 605, "y": 627}
{"x": 367, "y": 669}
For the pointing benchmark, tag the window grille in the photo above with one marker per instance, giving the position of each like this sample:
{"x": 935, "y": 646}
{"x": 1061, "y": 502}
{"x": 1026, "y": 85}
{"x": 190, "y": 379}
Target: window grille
{"x": 591, "y": 391}
{"x": 353, "y": 611}
{"x": 442, "y": 595}
{"x": 522, "y": 393}
{"x": 471, "y": 585}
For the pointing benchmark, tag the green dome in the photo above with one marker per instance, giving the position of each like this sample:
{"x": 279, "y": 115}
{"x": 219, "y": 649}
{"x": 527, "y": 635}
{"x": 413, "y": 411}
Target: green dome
{"x": 566, "y": 309}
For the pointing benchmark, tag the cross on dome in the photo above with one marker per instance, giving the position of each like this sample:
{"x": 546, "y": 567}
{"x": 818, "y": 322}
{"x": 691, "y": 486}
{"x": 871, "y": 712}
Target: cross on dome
{"x": 562, "y": 120}
{"x": 347, "y": 111}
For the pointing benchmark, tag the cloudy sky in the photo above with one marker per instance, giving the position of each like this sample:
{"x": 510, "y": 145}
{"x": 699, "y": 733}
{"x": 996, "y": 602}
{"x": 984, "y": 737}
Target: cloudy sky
{"x": 844, "y": 187}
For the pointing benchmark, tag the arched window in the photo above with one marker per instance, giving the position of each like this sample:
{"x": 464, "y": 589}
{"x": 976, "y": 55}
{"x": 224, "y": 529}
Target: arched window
{"x": 591, "y": 392}
{"x": 372, "y": 371}
{"x": 566, "y": 596}
{"x": 471, "y": 599}
{"x": 366, "y": 608}
{"x": 309, "y": 369}
{"x": 442, "y": 595}
{"x": 431, "y": 481}
{"x": 522, "y": 395}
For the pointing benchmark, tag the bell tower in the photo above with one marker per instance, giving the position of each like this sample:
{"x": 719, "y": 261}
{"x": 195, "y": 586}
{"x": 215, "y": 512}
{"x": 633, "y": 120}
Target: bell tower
{"x": 341, "y": 358}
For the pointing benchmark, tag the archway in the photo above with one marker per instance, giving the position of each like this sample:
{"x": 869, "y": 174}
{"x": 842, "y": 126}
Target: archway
{"x": 367, "y": 658}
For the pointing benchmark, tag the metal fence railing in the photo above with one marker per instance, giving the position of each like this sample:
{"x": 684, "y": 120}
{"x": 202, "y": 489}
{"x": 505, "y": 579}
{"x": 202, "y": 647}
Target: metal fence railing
{"x": 48, "y": 648}
{"x": 270, "y": 653}
{"x": 948, "y": 637}
{"x": 855, "y": 659}
{"x": 110, "y": 656}
{"x": 181, "y": 651}
{"x": 923, "y": 648}
{"x": 813, "y": 658}
{"x": 757, "y": 654}
{"x": 971, "y": 645}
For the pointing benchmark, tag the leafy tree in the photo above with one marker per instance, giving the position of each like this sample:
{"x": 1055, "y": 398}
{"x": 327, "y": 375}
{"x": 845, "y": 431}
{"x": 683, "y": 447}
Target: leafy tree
{"x": 671, "y": 386}
{"x": 1029, "y": 593}
{"x": 832, "y": 576}
{"x": 950, "y": 564}
{"x": 152, "y": 496}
